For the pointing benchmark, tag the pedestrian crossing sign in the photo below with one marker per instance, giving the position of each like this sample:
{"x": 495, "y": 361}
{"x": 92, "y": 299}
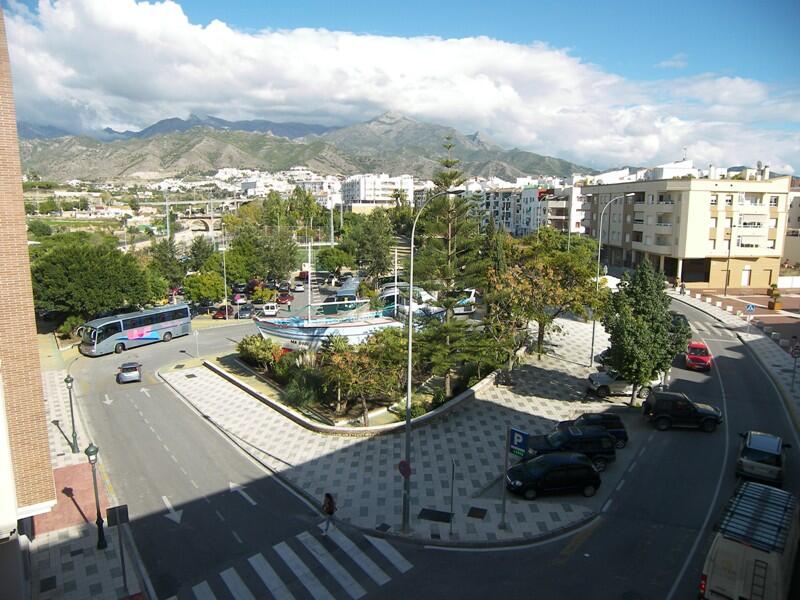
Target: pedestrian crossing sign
{"x": 751, "y": 308}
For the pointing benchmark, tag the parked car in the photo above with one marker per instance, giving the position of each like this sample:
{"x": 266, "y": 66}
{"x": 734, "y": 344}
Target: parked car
{"x": 302, "y": 276}
{"x": 239, "y": 299}
{"x": 271, "y": 284}
{"x": 268, "y": 309}
{"x": 561, "y": 472}
{"x": 673, "y": 409}
{"x": 611, "y": 383}
{"x": 129, "y": 372}
{"x": 285, "y": 286}
{"x": 762, "y": 456}
{"x": 594, "y": 442}
{"x": 222, "y": 310}
{"x": 299, "y": 287}
{"x": 239, "y": 288}
{"x": 204, "y": 308}
{"x": 698, "y": 356}
{"x": 611, "y": 422}
{"x": 603, "y": 359}
{"x": 245, "y": 312}
{"x": 285, "y": 298}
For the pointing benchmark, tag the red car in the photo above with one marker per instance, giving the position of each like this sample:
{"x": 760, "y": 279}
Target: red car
{"x": 284, "y": 298}
{"x": 220, "y": 313}
{"x": 698, "y": 356}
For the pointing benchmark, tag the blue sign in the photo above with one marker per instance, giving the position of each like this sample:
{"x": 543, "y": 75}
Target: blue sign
{"x": 518, "y": 442}
{"x": 751, "y": 308}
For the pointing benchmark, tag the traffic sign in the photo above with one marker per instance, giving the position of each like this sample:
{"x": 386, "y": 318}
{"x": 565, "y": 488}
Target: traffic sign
{"x": 404, "y": 468}
{"x": 796, "y": 352}
{"x": 518, "y": 442}
{"x": 117, "y": 515}
{"x": 751, "y": 308}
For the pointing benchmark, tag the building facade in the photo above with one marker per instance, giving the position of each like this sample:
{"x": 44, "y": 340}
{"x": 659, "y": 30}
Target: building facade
{"x": 365, "y": 192}
{"x": 706, "y": 232}
{"x": 29, "y": 488}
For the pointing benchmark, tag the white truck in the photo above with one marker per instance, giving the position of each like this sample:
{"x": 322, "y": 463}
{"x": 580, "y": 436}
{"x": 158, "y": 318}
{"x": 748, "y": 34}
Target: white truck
{"x": 755, "y": 546}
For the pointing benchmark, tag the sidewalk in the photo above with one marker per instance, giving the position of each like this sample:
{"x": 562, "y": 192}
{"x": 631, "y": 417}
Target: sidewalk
{"x": 65, "y": 562}
{"x": 775, "y": 359}
{"x": 362, "y": 472}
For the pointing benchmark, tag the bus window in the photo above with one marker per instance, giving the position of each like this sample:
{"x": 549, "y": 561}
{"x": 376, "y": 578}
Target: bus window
{"x": 107, "y": 330}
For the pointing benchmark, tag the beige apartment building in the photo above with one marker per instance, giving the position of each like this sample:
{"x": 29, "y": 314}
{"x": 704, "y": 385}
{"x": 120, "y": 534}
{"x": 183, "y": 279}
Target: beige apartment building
{"x": 700, "y": 230}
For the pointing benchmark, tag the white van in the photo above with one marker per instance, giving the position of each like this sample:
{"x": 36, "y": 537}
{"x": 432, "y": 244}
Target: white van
{"x": 268, "y": 309}
{"x": 754, "y": 549}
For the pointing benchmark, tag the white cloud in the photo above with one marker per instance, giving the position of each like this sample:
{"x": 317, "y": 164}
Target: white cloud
{"x": 676, "y": 61}
{"x": 123, "y": 64}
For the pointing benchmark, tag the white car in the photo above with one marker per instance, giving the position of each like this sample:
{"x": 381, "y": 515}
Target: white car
{"x": 268, "y": 309}
{"x": 299, "y": 287}
{"x": 611, "y": 383}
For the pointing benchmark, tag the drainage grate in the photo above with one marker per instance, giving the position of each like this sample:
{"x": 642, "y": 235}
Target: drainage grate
{"x": 178, "y": 366}
{"x": 476, "y": 512}
{"x": 439, "y": 516}
{"x": 190, "y": 376}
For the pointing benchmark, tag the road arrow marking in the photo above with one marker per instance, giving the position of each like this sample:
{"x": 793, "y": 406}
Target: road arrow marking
{"x": 235, "y": 487}
{"x": 173, "y": 515}
{"x": 107, "y": 400}
{"x": 145, "y": 391}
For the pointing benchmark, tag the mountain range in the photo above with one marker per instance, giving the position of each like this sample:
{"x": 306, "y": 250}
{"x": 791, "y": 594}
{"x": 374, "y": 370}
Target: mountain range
{"x": 391, "y": 143}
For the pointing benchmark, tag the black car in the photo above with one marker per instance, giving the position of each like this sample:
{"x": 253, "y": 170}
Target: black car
{"x": 556, "y": 473}
{"x": 672, "y": 409}
{"x": 611, "y": 422}
{"x": 594, "y": 442}
{"x": 245, "y": 312}
{"x": 285, "y": 286}
{"x": 239, "y": 288}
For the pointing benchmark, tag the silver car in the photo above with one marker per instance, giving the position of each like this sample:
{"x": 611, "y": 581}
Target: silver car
{"x": 129, "y": 372}
{"x": 611, "y": 383}
{"x": 762, "y": 456}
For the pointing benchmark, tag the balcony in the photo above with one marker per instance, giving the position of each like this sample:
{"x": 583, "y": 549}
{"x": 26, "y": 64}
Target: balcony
{"x": 663, "y": 225}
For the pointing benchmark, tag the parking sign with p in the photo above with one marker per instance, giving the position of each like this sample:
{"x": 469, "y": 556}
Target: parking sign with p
{"x": 518, "y": 442}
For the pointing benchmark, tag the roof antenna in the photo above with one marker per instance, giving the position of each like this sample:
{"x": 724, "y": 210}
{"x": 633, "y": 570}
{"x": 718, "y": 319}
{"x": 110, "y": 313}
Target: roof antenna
{"x": 684, "y": 153}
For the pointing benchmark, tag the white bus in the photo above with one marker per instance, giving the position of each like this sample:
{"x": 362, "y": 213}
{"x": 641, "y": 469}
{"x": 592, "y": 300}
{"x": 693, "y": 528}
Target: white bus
{"x": 123, "y": 332}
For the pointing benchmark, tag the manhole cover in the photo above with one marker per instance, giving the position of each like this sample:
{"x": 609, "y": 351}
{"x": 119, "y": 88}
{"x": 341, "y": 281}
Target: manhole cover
{"x": 476, "y": 513}
{"x": 178, "y": 366}
{"x": 190, "y": 376}
{"x": 439, "y": 516}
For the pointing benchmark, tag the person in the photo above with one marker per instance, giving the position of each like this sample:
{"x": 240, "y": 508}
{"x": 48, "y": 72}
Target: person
{"x": 683, "y": 289}
{"x": 328, "y": 507}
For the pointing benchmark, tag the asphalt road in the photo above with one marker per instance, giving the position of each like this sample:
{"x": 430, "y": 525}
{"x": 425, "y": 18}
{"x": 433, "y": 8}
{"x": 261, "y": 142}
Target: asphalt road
{"x": 649, "y": 541}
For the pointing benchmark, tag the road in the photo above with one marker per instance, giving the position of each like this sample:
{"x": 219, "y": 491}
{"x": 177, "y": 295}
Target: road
{"x": 649, "y": 542}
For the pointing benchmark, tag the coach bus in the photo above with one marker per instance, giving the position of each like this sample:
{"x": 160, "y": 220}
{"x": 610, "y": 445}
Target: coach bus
{"x": 123, "y": 332}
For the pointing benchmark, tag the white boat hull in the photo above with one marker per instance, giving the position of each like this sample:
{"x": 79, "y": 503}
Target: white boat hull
{"x": 298, "y": 334}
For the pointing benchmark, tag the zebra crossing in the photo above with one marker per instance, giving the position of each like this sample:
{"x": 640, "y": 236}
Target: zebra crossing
{"x": 712, "y": 329}
{"x": 312, "y": 564}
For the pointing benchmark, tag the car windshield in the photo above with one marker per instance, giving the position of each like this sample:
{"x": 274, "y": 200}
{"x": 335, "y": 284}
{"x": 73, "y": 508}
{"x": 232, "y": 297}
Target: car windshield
{"x": 129, "y": 369}
{"x": 89, "y": 334}
{"x": 698, "y": 351}
{"x": 556, "y": 439}
{"x": 761, "y": 457}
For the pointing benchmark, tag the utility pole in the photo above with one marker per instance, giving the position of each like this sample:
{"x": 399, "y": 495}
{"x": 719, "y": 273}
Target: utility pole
{"x": 166, "y": 212}
{"x": 224, "y": 271}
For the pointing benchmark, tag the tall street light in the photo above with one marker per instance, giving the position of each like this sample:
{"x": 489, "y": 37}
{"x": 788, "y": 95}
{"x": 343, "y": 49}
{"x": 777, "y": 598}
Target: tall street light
{"x": 224, "y": 270}
{"x": 728, "y": 263}
{"x": 407, "y": 477}
{"x": 597, "y": 276}
{"x": 68, "y": 381}
{"x": 91, "y": 453}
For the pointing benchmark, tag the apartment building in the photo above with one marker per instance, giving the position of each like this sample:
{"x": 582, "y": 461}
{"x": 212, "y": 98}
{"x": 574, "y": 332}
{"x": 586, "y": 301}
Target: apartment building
{"x": 365, "y": 192}
{"x": 504, "y": 206}
{"x": 705, "y": 231}
{"x": 791, "y": 245}
{"x": 26, "y": 475}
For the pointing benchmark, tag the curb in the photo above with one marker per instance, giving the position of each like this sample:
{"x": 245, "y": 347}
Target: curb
{"x": 519, "y": 542}
{"x": 786, "y": 397}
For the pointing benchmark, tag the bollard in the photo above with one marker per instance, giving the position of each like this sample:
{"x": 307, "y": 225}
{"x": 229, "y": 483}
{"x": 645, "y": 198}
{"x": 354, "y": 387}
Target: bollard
{"x": 698, "y": 296}
{"x": 719, "y": 303}
{"x": 708, "y": 300}
{"x": 729, "y": 309}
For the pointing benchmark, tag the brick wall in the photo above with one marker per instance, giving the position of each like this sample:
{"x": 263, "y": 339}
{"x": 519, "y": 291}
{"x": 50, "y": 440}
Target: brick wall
{"x": 19, "y": 357}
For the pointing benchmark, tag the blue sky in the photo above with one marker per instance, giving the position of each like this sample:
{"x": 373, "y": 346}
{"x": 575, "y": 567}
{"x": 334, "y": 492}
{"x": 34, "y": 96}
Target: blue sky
{"x": 598, "y": 83}
{"x": 628, "y": 37}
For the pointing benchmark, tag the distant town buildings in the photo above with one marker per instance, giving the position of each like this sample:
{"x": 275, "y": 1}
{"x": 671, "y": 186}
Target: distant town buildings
{"x": 366, "y": 192}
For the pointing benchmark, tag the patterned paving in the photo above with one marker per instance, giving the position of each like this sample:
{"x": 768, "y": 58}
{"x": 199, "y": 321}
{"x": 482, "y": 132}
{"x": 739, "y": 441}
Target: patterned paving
{"x": 362, "y": 472}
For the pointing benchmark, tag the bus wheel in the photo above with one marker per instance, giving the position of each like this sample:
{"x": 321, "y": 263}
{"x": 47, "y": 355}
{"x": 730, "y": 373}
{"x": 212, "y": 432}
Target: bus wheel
{"x": 119, "y": 348}
{"x": 167, "y": 336}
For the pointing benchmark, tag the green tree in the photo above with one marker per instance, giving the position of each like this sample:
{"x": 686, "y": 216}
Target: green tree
{"x": 259, "y": 351}
{"x": 263, "y": 295}
{"x": 235, "y": 266}
{"x": 281, "y": 254}
{"x": 47, "y": 206}
{"x": 371, "y": 241}
{"x": 333, "y": 259}
{"x": 30, "y": 208}
{"x": 86, "y": 280}
{"x": 135, "y": 205}
{"x": 39, "y": 228}
{"x": 334, "y": 358}
{"x": 200, "y": 251}
{"x": 644, "y": 338}
{"x": 250, "y": 242}
{"x": 157, "y": 286}
{"x": 83, "y": 204}
{"x": 204, "y": 287}
{"x": 164, "y": 261}
{"x": 274, "y": 210}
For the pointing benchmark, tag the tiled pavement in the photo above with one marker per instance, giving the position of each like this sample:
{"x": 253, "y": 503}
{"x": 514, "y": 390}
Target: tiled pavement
{"x": 772, "y": 357}
{"x": 362, "y": 472}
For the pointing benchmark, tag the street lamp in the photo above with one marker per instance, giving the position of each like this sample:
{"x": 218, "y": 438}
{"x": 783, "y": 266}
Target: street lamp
{"x": 407, "y": 477}
{"x": 224, "y": 271}
{"x": 68, "y": 381}
{"x": 91, "y": 453}
{"x": 728, "y": 263}
{"x": 597, "y": 276}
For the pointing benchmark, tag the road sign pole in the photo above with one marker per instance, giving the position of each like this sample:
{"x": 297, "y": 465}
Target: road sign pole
{"x": 503, "y": 478}
{"x": 452, "y": 490}
{"x": 794, "y": 371}
{"x": 122, "y": 558}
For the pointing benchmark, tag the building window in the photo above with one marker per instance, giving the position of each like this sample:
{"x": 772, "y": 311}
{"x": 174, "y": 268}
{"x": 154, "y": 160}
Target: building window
{"x": 728, "y": 222}
{"x": 729, "y": 200}
{"x": 627, "y": 237}
{"x": 714, "y": 199}
{"x": 773, "y": 201}
{"x": 713, "y": 223}
{"x": 773, "y": 223}
{"x": 771, "y": 244}
{"x": 712, "y": 244}
{"x": 628, "y": 220}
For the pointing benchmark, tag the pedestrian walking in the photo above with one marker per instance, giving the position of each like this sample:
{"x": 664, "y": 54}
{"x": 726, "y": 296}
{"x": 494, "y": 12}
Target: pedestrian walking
{"x": 683, "y": 289}
{"x": 328, "y": 507}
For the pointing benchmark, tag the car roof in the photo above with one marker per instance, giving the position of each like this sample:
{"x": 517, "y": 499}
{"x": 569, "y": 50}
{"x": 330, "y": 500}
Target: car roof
{"x": 696, "y": 344}
{"x": 577, "y": 431}
{"x": 129, "y": 365}
{"x": 561, "y": 458}
{"x": 765, "y": 442}
{"x": 599, "y": 416}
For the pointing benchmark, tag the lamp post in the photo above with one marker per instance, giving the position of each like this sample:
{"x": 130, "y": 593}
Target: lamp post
{"x": 91, "y": 453}
{"x": 597, "y": 275}
{"x": 224, "y": 271}
{"x": 68, "y": 381}
{"x": 407, "y": 479}
{"x": 728, "y": 263}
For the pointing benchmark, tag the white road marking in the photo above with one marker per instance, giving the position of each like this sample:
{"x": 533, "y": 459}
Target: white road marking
{"x": 107, "y": 400}
{"x": 235, "y": 487}
{"x": 165, "y": 447}
{"x": 140, "y": 413}
{"x": 146, "y": 421}
{"x": 184, "y": 471}
{"x": 389, "y": 551}
{"x": 633, "y": 465}
{"x": 194, "y": 485}
{"x": 620, "y": 484}
{"x": 236, "y": 535}
{"x": 172, "y": 515}
{"x": 607, "y": 504}
{"x": 306, "y": 577}
{"x": 145, "y": 391}
{"x": 642, "y": 451}
{"x": 203, "y": 592}
{"x": 158, "y": 437}
{"x": 358, "y": 557}
{"x": 339, "y": 573}
{"x": 270, "y": 578}
{"x": 219, "y": 514}
{"x": 236, "y": 585}
{"x": 151, "y": 429}
{"x": 172, "y": 456}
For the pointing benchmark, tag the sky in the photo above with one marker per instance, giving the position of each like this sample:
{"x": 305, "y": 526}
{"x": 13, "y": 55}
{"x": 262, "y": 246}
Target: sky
{"x": 620, "y": 82}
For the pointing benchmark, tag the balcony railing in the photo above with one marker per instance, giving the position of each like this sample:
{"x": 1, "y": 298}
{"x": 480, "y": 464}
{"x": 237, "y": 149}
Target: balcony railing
{"x": 638, "y": 221}
{"x": 663, "y": 224}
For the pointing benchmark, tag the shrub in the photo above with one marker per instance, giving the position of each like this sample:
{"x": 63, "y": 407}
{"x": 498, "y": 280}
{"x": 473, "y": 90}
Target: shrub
{"x": 69, "y": 325}
{"x": 40, "y": 228}
{"x": 418, "y": 409}
{"x": 257, "y": 351}
{"x": 439, "y": 398}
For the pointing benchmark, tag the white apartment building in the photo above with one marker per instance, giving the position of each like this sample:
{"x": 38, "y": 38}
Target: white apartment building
{"x": 705, "y": 231}
{"x": 791, "y": 247}
{"x": 365, "y": 192}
